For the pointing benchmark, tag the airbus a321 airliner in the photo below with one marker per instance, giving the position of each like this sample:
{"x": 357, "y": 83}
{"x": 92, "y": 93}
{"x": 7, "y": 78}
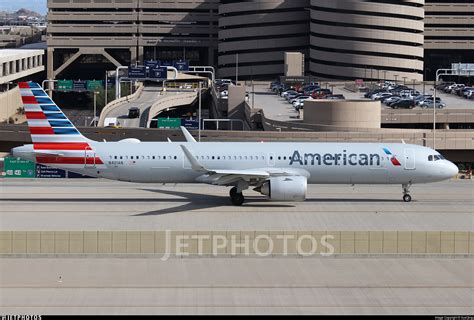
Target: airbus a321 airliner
{"x": 280, "y": 171}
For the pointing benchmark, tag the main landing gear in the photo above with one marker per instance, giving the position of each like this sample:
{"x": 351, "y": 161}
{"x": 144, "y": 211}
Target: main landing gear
{"x": 236, "y": 197}
{"x": 406, "y": 192}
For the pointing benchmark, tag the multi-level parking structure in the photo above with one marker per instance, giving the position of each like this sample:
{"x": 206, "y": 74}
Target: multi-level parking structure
{"x": 253, "y": 36}
{"x": 130, "y": 31}
{"x": 367, "y": 39}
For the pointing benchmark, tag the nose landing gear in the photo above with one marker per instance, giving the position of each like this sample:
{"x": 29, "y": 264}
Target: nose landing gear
{"x": 406, "y": 192}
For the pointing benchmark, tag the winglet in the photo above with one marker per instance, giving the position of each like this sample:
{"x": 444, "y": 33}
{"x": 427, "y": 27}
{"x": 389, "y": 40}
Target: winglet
{"x": 403, "y": 141}
{"x": 169, "y": 140}
{"x": 187, "y": 135}
{"x": 195, "y": 165}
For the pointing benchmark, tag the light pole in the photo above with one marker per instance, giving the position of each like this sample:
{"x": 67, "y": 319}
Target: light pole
{"x": 105, "y": 88}
{"x": 253, "y": 95}
{"x": 434, "y": 111}
{"x": 396, "y": 78}
{"x": 384, "y": 75}
{"x": 405, "y": 80}
{"x": 236, "y": 68}
{"x": 199, "y": 113}
{"x": 95, "y": 108}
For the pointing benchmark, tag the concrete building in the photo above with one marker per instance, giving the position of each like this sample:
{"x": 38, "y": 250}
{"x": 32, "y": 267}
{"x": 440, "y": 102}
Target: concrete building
{"x": 449, "y": 29}
{"x": 122, "y": 32}
{"x": 16, "y": 64}
{"x": 358, "y": 39}
{"x": 343, "y": 114}
{"x": 341, "y": 39}
{"x": 254, "y": 35}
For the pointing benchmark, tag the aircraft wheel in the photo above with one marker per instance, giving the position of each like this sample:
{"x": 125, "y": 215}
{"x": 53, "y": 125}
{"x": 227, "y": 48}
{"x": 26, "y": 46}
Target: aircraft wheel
{"x": 236, "y": 198}
{"x": 407, "y": 198}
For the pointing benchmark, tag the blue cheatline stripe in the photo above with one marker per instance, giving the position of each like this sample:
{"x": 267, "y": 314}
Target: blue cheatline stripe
{"x": 49, "y": 107}
{"x": 42, "y": 100}
{"x": 34, "y": 85}
{"x": 39, "y": 93}
{"x": 55, "y": 116}
{"x": 61, "y": 124}
{"x": 65, "y": 131}
{"x": 387, "y": 151}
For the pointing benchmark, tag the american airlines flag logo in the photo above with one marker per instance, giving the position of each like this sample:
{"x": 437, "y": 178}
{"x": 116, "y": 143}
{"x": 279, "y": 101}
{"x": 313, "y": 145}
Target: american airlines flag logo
{"x": 54, "y": 137}
{"x": 393, "y": 158}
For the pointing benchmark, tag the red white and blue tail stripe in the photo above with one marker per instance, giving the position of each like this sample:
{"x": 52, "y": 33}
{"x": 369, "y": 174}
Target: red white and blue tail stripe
{"x": 47, "y": 123}
{"x": 55, "y": 139}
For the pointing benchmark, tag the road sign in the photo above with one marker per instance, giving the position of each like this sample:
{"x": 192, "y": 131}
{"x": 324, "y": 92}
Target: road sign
{"x": 137, "y": 72}
{"x": 169, "y": 123}
{"x": 64, "y": 85}
{"x": 190, "y": 124}
{"x": 152, "y": 63}
{"x": 18, "y": 168}
{"x": 181, "y": 65}
{"x": 93, "y": 85}
{"x": 158, "y": 73}
{"x": 47, "y": 172}
{"x": 166, "y": 63}
{"x": 80, "y": 85}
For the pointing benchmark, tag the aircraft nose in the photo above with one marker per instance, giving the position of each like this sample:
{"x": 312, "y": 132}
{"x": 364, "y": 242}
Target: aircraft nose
{"x": 452, "y": 169}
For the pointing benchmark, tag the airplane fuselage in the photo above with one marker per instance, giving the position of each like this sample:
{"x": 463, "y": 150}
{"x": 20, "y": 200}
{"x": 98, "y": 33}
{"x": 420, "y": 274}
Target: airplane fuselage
{"x": 320, "y": 163}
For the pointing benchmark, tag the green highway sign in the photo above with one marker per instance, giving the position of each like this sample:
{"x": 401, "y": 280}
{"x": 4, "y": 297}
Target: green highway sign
{"x": 93, "y": 85}
{"x": 64, "y": 85}
{"x": 18, "y": 168}
{"x": 170, "y": 123}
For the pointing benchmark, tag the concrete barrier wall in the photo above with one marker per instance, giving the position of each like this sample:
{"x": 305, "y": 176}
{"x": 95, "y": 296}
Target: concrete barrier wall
{"x": 171, "y": 100}
{"x": 10, "y": 101}
{"x": 232, "y": 242}
{"x": 113, "y": 104}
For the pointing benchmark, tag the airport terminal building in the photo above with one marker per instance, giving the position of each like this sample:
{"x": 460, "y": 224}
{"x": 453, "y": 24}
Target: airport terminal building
{"x": 340, "y": 39}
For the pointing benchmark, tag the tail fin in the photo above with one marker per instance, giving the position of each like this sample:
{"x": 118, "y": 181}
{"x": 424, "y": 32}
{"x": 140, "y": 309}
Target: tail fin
{"x": 47, "y": 123}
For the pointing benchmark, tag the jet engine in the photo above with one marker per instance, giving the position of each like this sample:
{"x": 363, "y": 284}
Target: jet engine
{"x": 290, "y": 188}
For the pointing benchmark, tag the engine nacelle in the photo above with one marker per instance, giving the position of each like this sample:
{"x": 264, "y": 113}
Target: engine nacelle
{"x": 291, "y": 188}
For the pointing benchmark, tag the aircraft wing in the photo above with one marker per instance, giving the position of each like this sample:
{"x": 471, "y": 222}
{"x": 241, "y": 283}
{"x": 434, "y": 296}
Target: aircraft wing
{"x": 231, "y": 177}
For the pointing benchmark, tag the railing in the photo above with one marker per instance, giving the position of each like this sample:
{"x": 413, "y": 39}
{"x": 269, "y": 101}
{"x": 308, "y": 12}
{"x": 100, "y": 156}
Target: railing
{"x": 111, "y": 105}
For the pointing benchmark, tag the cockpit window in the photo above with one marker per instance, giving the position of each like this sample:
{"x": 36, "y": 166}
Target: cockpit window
{"x": 435, "y": 157}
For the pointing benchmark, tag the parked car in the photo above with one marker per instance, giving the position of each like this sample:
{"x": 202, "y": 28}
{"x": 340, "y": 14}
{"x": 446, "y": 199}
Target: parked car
{"x": 443, "y": 85}
{"x": 429, "y": 104}
{"x": 335, "y": 97}
{"x": 381, "y": 95}
{"x": 284, "y": 94}
{"x": 292, "y": 96}
{"x": 391, "y": 100}
{"x": 300, "y": 101}
{"x": 428, "y": 101}
{"x": 301, "y": 97}
{"x": 403, "y": 104}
